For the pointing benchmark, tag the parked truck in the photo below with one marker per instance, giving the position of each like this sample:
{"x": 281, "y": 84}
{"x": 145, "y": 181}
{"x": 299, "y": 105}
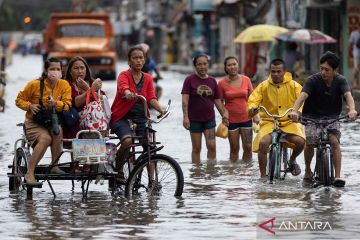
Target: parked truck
{"x": 89, "y": 35}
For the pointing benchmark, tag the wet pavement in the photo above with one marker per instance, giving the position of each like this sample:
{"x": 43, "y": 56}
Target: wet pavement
{"x": 221, "y": 200}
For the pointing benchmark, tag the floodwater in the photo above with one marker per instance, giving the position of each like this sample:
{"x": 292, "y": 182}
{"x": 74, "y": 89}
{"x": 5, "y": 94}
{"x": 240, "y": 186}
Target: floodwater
{"x": 221, "y": 200}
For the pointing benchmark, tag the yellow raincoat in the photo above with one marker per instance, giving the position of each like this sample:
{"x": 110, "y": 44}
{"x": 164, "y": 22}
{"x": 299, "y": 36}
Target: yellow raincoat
{"x": 276, "y": 98}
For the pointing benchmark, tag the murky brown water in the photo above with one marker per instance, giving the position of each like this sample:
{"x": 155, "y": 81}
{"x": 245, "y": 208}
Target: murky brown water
{"x": 221, "y": 200}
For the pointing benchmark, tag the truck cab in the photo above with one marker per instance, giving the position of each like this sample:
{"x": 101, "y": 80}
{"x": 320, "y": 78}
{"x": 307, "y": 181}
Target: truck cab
{"x": 89, "y": 35}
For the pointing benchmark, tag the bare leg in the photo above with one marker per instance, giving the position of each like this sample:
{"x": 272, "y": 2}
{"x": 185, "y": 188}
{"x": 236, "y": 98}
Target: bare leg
{"x": 233, "y": 137}
{"x": 246, "y": 139}
{"x": 335, "y": 145}
{"x": 210, "y": 143}
{"x": 42, "y": 144}
{"x": 56, "y": 146}
{"x": 196, "y": 147}
{"x": 121, "y": 156}
{"x": 308, "y": 155}
{"x": 263, "y": 150}
{"x": 299, "y": 143}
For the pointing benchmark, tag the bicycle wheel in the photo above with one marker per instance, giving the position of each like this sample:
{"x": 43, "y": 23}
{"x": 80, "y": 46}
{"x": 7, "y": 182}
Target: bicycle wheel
{"x": 19, "y": 169}
{"x": 285, "y": 159}
{"x": 161, "y": 176}
{"x": 273, "y": 155}
{"x": 323, "y": 166}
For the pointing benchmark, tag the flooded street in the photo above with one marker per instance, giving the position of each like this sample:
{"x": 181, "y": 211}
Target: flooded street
{"x": 221, "y": 200}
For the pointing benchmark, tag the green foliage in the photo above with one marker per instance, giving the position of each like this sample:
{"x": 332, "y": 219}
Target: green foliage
{"x": 9, "y": 19}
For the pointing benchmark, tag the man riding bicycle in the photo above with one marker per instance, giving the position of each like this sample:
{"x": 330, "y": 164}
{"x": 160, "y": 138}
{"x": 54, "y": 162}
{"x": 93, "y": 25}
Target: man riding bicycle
{"x": 323, "y": 95}
{"x": 277, "y": 94}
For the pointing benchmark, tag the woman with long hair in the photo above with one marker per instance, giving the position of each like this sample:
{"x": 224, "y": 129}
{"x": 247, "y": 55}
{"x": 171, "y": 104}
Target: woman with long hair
{"x": 56, "y": 95}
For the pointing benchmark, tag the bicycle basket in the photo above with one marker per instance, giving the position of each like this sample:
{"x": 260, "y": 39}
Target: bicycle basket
{"x": 89, "y": 151}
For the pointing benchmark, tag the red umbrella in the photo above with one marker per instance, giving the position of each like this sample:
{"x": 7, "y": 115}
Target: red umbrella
{"x": 308, "y": 36}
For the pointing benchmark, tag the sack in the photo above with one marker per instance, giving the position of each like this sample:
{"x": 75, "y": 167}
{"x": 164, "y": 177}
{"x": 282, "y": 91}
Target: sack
{"x": 43, "y": 117}
{"x": 222, "y": 131}
{"x": 93, "y": 116}
{"x": 69, "y": 118}
{"x": 357, "y": 44}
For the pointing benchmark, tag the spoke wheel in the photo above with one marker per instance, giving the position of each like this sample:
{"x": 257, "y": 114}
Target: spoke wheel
{"x": 161, "y": 176}
{"x": 323, "y": 167}
{"x": 272, "y": 162}
{"x": 327, "y": 167}
{"x": 19, "y": 169}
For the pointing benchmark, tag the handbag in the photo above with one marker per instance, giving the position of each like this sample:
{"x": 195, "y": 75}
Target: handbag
{"x": 93, "y": 116}
{"x": 44, "y": 116}
{"x": 69, "y": 118}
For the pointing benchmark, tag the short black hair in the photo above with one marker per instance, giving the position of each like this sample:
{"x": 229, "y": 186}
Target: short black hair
{"x": 200, "y": 55}
{"x": 135, "y": 48}
{"x": 331, "y": 58}
{"x": 277, "y": 61}
{"x": 227, "y": 59}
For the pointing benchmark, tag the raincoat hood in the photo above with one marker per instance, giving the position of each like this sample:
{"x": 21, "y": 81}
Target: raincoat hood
{"x": 287, "y": 78}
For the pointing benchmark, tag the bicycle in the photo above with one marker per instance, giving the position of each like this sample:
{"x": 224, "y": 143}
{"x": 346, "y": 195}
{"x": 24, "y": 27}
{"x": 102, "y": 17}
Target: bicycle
{"x": 278, "y": 155}
{"x": 147, "y": 171}
{"x": 150, "y": 173}
{"x": 324, "y": 168}
{"x": 22, "y": 155}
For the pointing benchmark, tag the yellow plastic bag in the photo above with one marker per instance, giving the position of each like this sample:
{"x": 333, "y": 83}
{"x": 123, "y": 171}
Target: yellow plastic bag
{"x": 222, "y": 131}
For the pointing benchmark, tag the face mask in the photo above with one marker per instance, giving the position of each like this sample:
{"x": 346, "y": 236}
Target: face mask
{"x": 54, "y": 75}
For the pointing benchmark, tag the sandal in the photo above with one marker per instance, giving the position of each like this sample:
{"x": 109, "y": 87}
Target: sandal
{"x": 339, "y": 182}
{"x": 294, "y": 168}
{"x": 31, "y": 182}
{"x": 308, "y": 178}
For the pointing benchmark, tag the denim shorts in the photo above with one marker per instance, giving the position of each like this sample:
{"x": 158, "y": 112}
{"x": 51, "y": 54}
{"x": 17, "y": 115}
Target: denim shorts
{"x": 199, "y": 127}
{"x": 236, "y": 126}
{"x": 122, "y": 127}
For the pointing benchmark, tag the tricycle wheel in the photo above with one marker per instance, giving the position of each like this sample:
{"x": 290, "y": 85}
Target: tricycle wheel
{"x": 19, "y": 170}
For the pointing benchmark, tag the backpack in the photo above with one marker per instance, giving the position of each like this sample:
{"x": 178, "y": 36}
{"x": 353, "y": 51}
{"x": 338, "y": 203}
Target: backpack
{"x": 357, "y": 43}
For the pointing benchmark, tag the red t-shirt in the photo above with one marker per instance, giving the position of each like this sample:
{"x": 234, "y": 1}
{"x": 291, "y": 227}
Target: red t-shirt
{"x": 236, "y": 98}
{"x": 125, "y": 81}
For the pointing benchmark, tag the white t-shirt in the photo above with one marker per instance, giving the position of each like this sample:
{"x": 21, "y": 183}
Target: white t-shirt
{"x": 354, "y": 36}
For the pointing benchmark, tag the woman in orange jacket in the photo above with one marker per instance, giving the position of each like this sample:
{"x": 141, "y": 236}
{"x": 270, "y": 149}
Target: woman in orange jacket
{"x": 56, "y": 95}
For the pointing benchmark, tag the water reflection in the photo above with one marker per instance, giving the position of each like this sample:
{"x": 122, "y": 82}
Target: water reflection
{"x": 221, "y": 200}
{"x": 96, "y": 216}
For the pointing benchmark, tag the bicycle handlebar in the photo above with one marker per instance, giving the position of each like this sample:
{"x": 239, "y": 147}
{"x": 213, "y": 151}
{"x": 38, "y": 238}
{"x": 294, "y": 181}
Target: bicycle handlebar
{"x": 324, "y": 122}
{"x": 260, "y": 107}
{"x": 160, "y": 118}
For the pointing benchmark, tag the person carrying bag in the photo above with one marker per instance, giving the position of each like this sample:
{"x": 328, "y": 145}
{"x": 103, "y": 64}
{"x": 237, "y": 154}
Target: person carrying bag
{"x": 46, "y": 117}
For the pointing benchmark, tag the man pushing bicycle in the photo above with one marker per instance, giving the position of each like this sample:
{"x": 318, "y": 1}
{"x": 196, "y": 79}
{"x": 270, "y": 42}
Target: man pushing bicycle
{"x": 323, "y": 95}
{"x": 277, "y": 94}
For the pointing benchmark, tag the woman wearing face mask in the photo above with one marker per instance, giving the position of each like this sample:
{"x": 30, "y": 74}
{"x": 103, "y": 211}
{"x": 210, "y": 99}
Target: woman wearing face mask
{"x": 78, "y": 74}
{"x": 56, "y": 95}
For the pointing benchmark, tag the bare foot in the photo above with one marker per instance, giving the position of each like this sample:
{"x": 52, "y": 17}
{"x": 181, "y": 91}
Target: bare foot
{"x": 308, "y": 175}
